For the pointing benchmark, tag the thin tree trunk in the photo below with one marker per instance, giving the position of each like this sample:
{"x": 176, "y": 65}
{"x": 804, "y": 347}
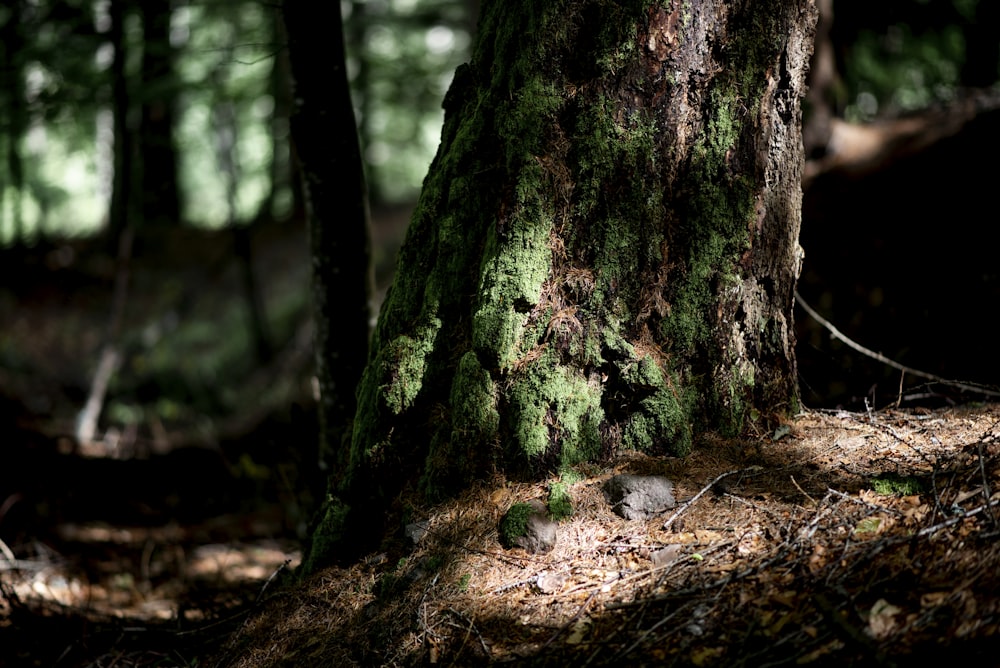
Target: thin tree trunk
{"x": 122, "y": 182}
{"x": 326, "y": 142}
{"x": 16, "y": 113}
{"x": 160, "y": 190}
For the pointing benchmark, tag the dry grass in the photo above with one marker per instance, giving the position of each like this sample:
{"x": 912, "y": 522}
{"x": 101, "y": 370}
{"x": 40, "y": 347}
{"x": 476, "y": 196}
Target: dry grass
{"x": 792, "y": 558}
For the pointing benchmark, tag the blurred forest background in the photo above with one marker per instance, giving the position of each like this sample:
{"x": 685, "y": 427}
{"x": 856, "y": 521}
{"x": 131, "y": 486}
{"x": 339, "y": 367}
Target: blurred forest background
{"x": 154, "y": 321}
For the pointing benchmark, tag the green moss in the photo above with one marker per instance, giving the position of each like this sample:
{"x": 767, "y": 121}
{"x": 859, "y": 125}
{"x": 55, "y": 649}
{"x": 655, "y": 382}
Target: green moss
{"x": 407, "y": 359}
{"x": 522, "y": 121}
{"x": 467, "y": 437}
{"x": 663, "y": 420}
{"x": 893, "y": 484}
{"x": 553, "y": 405}
{"x": 511, "y": 277}
{"x": 474, "y": 401}
{"x": 732, "y": 410}
{"x": 514, "y": 523}
{"x": 560, "y": 504}
{"x": 327, "y": 535}
{"x": 568, "y": 476}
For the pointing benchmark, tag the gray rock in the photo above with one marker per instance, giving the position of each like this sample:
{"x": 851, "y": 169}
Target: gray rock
{"x": 550, "y": 583}
{"x": 539, "y": 533}
{"x": 416, "y": 531}
{"x": 639, "y": 497}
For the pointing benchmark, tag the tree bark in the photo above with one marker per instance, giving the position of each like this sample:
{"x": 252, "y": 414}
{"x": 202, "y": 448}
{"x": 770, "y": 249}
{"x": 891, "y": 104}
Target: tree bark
{"x": 603, "y": 255}
{"x": 118, "y": 210}
{"x": 326, "y": 142}
{"x": 160, "y": 189}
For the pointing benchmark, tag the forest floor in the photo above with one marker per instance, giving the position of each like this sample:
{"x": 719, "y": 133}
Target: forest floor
{"x": 845, "y": 538}
{"x": 850, "y": 539}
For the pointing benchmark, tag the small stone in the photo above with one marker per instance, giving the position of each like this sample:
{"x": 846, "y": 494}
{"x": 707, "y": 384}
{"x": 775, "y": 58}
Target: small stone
{"x": 540, "y": 535}
{"x": 637, "y": 497}
{"x": 550, "y": 583}
{"x": 416, "y": 531}
{"x": 539, "y": 531}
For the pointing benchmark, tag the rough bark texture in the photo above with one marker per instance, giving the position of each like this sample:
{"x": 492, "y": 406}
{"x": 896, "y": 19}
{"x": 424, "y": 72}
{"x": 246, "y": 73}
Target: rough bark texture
{"x": 604, "y": 252}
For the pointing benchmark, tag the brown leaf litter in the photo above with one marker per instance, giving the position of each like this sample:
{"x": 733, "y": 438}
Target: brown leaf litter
{"x": 851, "y": 538}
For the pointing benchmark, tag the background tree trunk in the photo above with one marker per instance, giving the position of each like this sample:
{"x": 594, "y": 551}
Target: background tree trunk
{"x": 123, "y": 186}
{"x": 604, "y": 253}
{"x": 15, "y": 113}
{"x": 161, "y": 192}
{"x": 329, "y": 154}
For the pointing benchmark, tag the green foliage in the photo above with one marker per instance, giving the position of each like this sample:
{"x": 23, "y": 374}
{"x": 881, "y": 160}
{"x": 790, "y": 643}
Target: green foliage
{"x": 899, "y": 71}
{"x": 224, "y": 66}
{"x": 391, "y": 46}
{"x": 463, "y": 582}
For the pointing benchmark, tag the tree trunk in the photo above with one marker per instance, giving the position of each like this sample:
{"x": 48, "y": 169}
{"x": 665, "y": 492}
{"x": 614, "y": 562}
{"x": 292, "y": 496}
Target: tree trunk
{"x": 326, "y": 143}
{"x": 604, "y": 252}
{"x": 160, "y": 190}
{"x": 15, "y": 113}
{"x": 120, "y": 209}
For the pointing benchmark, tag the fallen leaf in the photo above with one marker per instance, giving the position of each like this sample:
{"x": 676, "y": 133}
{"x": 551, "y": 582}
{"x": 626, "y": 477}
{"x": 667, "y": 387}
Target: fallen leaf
{"x": 933, "y": 599}
{"x": 579, "y": 631}
{"x": 666, "y": 555}
{"x": 868, "y": 525}
{"x": 881, "y": 619}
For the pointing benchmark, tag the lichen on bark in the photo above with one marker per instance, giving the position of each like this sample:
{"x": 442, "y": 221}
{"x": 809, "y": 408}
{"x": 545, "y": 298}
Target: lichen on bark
{"x": 603, "y": 254}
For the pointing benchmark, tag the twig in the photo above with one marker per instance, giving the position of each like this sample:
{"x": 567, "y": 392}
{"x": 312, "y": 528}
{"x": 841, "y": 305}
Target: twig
{"x": 512, "y": 585}
{"x": 837, "y": 334}
{"x": 472, "y": 628}
{"x": 267, "y": 582}
{"x": 871, "y": 506}
{"x": 687, "y": 504}
{"x": 958, "y": 518}
{"x": 986, "y": 483}
{"x": 86, "y": 425}
{"x": 798, "y": 487}
{"x": 7, "y": 553}
{"x": 650, "y": 631}
{"x": 422, "y": 606}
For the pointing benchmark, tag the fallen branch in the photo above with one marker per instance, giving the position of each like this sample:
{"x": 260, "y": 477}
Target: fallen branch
{"x": 837, "y": 334}
{"x": 687, "y": 504}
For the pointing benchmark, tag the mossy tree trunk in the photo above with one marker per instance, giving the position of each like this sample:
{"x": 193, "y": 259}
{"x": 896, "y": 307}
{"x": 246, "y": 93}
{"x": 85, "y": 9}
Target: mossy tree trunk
{"x": 604, "y": 253}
